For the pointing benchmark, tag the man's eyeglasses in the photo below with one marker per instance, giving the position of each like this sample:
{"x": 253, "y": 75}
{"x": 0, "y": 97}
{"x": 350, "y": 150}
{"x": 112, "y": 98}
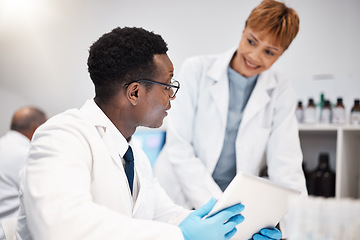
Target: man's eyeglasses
{"x": 173, "y": 87}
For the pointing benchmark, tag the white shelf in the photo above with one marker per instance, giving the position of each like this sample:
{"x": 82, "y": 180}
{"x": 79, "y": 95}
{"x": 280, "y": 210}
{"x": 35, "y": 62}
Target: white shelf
{"x": 328, "y": 127}
{"x": 342, "y": 142}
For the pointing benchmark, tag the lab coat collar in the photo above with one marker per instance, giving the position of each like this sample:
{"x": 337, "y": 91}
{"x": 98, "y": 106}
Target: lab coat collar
{"x": 219, "y": 68}
{"x": 220, "y": 89}
{"x": 105, "y": 127}
{"x": 260, "y": 96}
{"x": 21, "y": 138}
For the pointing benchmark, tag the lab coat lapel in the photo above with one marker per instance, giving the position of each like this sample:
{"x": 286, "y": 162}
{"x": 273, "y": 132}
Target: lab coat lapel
{"x": 220, "y": 88}
{"x": 259, "y": 98}
{"x": 145, "y": 197}
{"x": 141, "y": 193}
{"x": 113, "y": 151}
{"x": 220, "y": 94}
{"x": 118, "y": 162}
{"x": 98, "y": 119}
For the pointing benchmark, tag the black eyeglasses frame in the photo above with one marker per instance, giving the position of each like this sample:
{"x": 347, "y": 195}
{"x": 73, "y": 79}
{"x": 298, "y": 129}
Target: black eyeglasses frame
{"x": 171, "y": 86}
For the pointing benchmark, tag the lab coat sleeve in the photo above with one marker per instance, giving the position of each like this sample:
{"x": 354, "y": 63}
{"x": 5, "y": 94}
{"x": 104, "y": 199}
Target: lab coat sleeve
{"x": 195, "y": 179}
{"x": 166, "y": 210}
{"x": 57, "y": 194}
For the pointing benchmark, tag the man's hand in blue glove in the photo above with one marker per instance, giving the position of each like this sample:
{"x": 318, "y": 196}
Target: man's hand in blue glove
{"x": 220, "y": 226}
{"x": 267, "y": 233}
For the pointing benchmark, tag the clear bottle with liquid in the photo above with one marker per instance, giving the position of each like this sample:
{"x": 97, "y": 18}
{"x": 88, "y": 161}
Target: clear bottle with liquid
{"x": 299, "y": 112}
{"x": 310, "y": 112}
{"x": 339, "y": 113}
{"x": 326, "y": 112}
{"x": 355, "y": 112}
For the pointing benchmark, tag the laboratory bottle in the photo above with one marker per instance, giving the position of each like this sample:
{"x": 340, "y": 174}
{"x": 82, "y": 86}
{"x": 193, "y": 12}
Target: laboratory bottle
{"x": 322, "y": 100}
{"x": 263, "y": 172}
{"x": 339, "y": 113}
{"x": 322, "y": 179}
{"x": 310, "y": 112}
{"x": 306, "y": 174}
{"x": 299, "y": 112}
{"x": 325, "y": 115}
{"x": 355, "y": 112}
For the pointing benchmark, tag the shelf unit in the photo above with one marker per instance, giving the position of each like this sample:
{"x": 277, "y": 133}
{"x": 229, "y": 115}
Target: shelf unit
{"x": 342, "y": 142}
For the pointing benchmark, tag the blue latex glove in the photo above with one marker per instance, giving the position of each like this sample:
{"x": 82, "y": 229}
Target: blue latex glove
{"x": 268, "y": 233}
{"x": 220, "y": 226}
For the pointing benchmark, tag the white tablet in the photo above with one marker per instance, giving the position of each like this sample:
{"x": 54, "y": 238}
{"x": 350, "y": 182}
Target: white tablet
{"x": 265, "y": 203}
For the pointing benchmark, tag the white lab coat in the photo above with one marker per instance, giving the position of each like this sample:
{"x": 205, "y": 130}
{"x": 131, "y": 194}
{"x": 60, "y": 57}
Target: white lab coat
{"x": 14, "y": 148}
{"x": 75, "y": 186}
{"x": 196, "y": 128}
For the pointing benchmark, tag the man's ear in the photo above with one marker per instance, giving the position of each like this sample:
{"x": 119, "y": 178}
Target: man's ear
{"x": 133, "y": 92}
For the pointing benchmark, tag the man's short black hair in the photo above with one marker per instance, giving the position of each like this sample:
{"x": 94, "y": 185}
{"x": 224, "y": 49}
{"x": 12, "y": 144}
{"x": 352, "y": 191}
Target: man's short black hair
{"x": 121, "y": 56}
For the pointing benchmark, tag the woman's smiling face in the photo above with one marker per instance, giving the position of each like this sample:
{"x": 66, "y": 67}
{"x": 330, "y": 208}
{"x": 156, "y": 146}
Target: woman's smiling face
{"x": 256, "y": 53}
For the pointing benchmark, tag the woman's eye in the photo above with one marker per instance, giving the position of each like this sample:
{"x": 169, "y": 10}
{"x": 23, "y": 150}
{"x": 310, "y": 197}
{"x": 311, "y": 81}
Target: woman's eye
{"x": 268, "y": 52}
{"x": 251, "y": 42}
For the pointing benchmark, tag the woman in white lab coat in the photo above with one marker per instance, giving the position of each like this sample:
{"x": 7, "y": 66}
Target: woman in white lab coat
{"x": 198, "y": 124}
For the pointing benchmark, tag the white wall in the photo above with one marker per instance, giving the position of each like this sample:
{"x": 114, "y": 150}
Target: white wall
{"x": 44, "y": 44}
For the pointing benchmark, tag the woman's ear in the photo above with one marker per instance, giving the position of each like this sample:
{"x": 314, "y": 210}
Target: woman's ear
{"x": 133, "y": 92}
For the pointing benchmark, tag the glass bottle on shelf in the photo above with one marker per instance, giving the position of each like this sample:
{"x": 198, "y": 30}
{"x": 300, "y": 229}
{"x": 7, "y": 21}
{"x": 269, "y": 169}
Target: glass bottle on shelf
{"x": 299, "y": 112}
{"x": 319, "y": 106}
{"x": 310, "y": 112}
{"x": 339, "y": 113}
{"x": 263, "y": 172}
{"x": 322, "y": 100}
{"x": 355, "y": 112}
{"x": 325, "y": 116}
{"x": 322, "y": 179}
{"x": 306, "y": 174}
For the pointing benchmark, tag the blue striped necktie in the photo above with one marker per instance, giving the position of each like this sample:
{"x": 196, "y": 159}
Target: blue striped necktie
{"x": 129, "y": 167}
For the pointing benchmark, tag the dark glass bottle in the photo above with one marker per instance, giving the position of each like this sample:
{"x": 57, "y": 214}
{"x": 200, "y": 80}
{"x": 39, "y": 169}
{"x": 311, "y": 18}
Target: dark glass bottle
{"x": 310, "y": 112}
{"x": 322, "y": 179}
{"x": 306, "y": 174}
{"x": 339, "y": 114}
{"x": 299, "y": 112}
{"x": 326, "y": 112}
{"x": 263, "y": 172}
{"x": 355, "y": 112}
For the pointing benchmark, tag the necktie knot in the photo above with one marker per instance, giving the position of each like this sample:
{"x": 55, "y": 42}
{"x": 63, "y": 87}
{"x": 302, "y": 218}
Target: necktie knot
{"x": 129, "y": 157}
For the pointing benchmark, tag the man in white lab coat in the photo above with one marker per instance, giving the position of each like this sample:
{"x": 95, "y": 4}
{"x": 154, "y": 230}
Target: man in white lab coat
{"x": 86, "y": 179}
{"x": 234, "y": 114}
{"x": 14, "y": 148}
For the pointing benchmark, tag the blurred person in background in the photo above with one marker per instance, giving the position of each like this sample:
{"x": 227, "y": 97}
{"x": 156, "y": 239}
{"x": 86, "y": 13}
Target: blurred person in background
{"x": 14, "y": 148}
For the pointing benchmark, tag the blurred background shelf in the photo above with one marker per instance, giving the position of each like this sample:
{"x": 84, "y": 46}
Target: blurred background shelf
{"x": 342, "y": 143}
